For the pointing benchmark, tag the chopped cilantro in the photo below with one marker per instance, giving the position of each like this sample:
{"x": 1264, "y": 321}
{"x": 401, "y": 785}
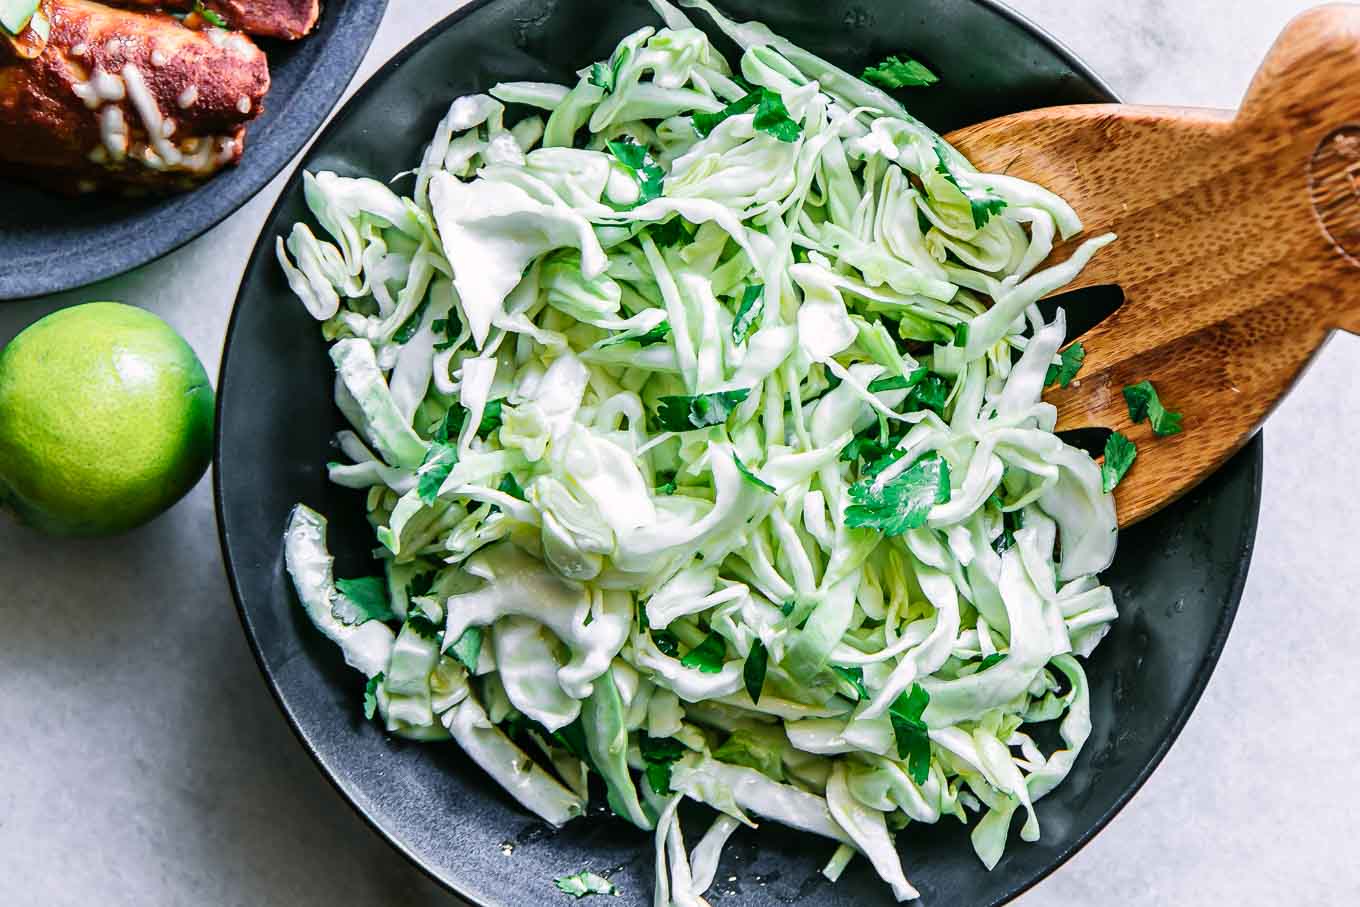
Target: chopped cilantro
{"x": 913, "y": 738}
{"x": 1063, "y": 373}
{"x": 585, "y": 882}
{"x": 853, "y": 676}
{"x": 357, "y": 601}
{"x": 657, "y": 334}
{"x": 897, "y": 382}
{"x": 672, "y": 233}
{"x": 658, "y": 755}
{"x": 665, "y": 482}
{"x": 896, "y": 72}
{"x": 982, "y": 205}
{"x": 750, "y": 476}
{"x": 1145, "y": 404}
{"x": 211, "y": 16}
{"x": 905, "y": 502}
{"x": 648, "y": 175}
{"x": 371, "y": 695}
{"x": 1119, "y": 456}
{"x": 411, "y": 325}
{"x": 771, "y": 116}
{"x": 421, "y": 625}
{"x": 601, "y": 76}
{"x": 686, "y": 413}
{"x": 753, "y": 672}
{"x": 748, "y": 312}
{"x": 509, "y": 486}
{"x": 439, "y": 462}
{"x": 667, "y": 642}
{"x": 708, "y": 656}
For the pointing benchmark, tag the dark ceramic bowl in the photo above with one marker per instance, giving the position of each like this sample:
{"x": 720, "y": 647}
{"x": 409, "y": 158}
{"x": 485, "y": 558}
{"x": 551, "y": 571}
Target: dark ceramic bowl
{"x": 1177, "y": 580}
{"x": 49, "y": 243}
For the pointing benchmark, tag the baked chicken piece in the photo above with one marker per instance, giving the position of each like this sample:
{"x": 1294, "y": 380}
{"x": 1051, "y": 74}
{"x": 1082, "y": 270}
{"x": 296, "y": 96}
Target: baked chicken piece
{"x": 287, "y": 19}
{"x": 98, "y": 98}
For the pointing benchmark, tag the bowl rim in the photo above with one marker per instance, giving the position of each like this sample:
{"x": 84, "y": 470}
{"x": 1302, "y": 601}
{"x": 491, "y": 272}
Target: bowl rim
{"x": 1203, "y": 672}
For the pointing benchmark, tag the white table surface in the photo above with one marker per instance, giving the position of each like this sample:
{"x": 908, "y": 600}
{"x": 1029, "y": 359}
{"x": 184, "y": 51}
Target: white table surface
{"x": 143, "y": 762}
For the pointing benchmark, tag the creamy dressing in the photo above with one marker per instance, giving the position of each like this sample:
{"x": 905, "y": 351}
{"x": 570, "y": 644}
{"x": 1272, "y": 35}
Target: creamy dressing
{"x": 145, "y": 104}
{"x": 113, "y": 132}
{"x": 103, "y": 87}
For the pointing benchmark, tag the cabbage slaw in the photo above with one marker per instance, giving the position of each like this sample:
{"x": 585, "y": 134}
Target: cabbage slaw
{"x": 699, "y": 419}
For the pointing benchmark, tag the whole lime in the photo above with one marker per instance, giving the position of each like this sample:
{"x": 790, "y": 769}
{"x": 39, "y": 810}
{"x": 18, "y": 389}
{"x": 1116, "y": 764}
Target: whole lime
{"x": 105, "y": 420}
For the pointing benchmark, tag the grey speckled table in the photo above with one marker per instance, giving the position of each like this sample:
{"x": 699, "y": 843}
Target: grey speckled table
{"x": 142, "y": 761}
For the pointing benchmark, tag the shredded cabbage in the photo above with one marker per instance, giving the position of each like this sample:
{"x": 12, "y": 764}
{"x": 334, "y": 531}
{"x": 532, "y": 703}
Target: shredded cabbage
{"x": 701, "y": 427}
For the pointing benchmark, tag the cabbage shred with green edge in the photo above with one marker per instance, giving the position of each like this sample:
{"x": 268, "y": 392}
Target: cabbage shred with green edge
{"x": 699, "y": 419}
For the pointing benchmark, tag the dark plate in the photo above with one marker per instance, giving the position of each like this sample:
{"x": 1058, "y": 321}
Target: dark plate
{"x": 49, "y": 243}
{"x": 1177, "y": 580}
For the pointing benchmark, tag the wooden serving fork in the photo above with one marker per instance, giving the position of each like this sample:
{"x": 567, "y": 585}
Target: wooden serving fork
{"x": 1238, "y": 250}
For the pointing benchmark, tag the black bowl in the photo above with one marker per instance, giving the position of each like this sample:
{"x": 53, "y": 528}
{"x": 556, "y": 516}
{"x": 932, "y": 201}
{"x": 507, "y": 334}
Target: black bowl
{"x": 1177, "y": 580}
{"x": 49, "y": 243}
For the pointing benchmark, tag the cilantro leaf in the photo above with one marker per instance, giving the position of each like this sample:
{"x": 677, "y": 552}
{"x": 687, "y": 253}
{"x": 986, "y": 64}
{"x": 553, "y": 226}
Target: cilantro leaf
{"x": 931, "y": 392}
{"x": 982, "y": 205}
{"x": 439, "y": 462}
{"x": 658, "y": 755}
{"x": 913, "y": 737}
{"x": 667, "y": 642}
{"x": 1010, "y": 522}
{"x": 1120, "y": 453}
{"x": 371, "y": 695}
{"x": 583, "y": 883}
{"x": 853, "y": 676}
{"x": 601, "y": 76}
{"x": 683, "y": 412}
{"x": 704, "y": 123}
{"x": 895, "y": 72}
{"x": 421, "y": 625}
{"x": 657, "y": 334}
{"x": 491, "y": 418}
{"x": 509, "y": 486}
{"x": 467, "y": 648}
{"x": 708, "y": 656}
{"x": 750, "y": 476}
{"x": 411, "y": 325}
{"x": 1145, "y": 404}
{"x": 1072, "y": 359}
{"x": 748, "y": 312}
{"x": 358, "y": 601}
{"x": 992, "y": 660}
{"x": 210, "y": 16}
{"x": 897, "y": 382}
{"x": 753, "y": 672}
{"x": 451, "y": 425}
{"x": 771, "y": 116}
{"x": 671, "y": 233}
{"x": 665, "y": 482}
{"x": 905, "y": 502}
{"x": 648, "y": 175}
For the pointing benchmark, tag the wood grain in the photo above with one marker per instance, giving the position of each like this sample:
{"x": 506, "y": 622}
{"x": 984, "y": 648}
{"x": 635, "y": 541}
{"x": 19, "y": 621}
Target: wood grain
{"x": 1238, "y": 251}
